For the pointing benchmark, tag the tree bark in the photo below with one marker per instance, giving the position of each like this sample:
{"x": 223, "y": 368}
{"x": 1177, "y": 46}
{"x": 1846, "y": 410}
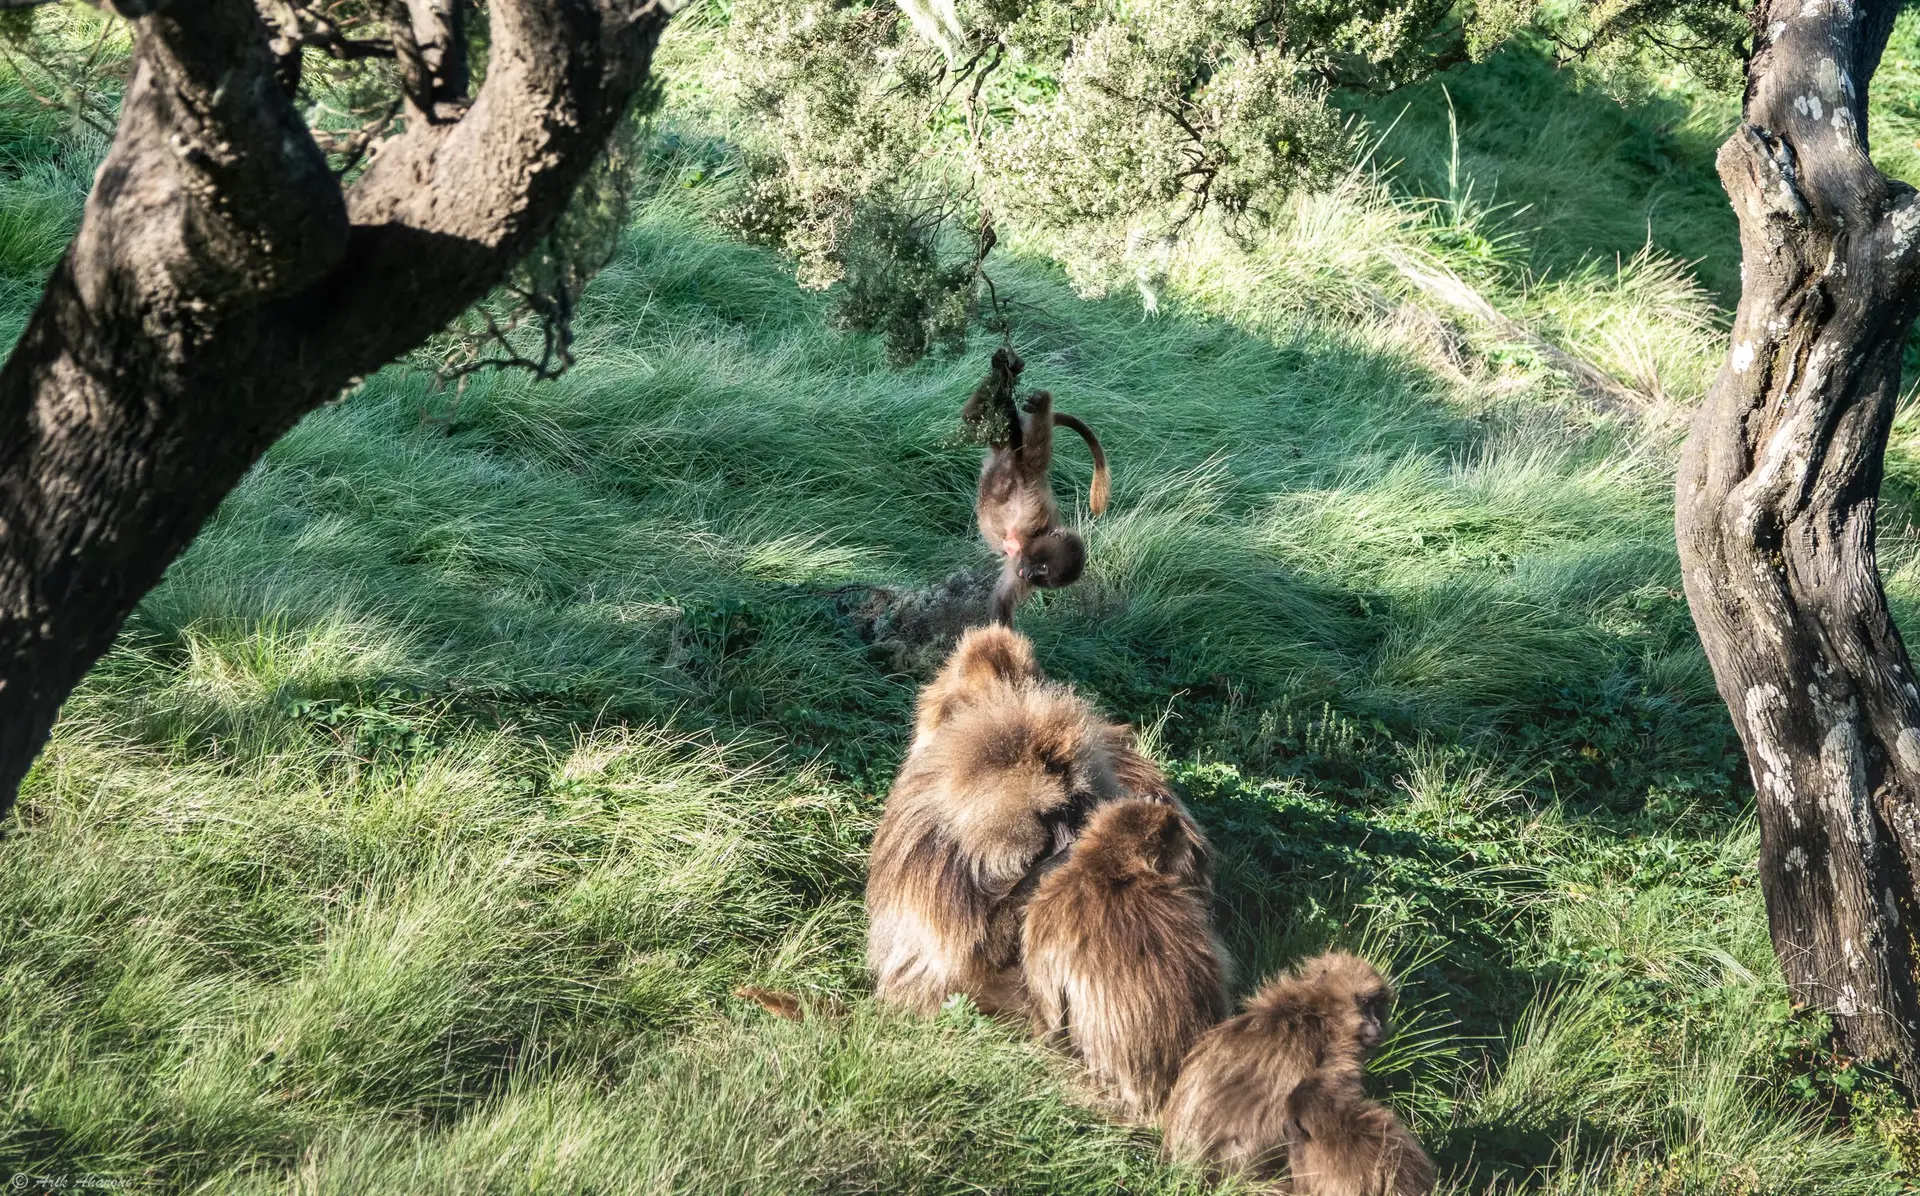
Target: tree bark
{"x": 1775, "y": 505}
{"x": 221, "y": 285}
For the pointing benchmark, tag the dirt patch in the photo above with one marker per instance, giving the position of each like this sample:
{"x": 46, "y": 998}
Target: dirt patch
{"x": 912, "y": 630}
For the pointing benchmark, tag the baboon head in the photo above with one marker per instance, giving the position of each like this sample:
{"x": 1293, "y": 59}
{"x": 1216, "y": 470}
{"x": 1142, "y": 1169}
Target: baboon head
{"x": 1144, "y": 836}
{"x": 1355, "y": 996}
{"x": 1053, "y": 559}
{"x": 1021, "y": 751}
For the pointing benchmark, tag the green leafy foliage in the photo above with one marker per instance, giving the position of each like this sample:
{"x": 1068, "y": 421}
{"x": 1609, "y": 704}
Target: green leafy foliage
{"x": 1107, "y": 133}
{"x": 897, "y": 285}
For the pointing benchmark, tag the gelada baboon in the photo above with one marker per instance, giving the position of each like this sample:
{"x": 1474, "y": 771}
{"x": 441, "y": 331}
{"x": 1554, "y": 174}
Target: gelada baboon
{"x": 1279, "y": 1089}
{"x": 1122, "y": 965}
{"x": 984, "y": 658}
{"x": 1005, "y": 767}
{"x": 1015, "y": 505}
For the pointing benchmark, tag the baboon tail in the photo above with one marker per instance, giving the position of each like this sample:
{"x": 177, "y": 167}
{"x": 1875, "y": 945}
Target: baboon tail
{"x": 1102, "y": 487}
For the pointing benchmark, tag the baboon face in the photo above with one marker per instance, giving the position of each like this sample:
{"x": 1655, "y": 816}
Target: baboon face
{"x": 1372, "y": 1007}
{"x": 1053, "y": 560}
{"x": 1067, "y": 785}
{"x": 1372, "y": 997}
{"x": 1354, "y": 996}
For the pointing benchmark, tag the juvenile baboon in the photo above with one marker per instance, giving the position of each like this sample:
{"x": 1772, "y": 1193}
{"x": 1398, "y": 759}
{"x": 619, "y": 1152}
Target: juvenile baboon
{"x": 1122, "y": 964}
{"x": 995, "y": 785}
{"x": 1341, "y": 1144}
{"x": 1015, "y": 504}
{"x": 1279, "y": 1089}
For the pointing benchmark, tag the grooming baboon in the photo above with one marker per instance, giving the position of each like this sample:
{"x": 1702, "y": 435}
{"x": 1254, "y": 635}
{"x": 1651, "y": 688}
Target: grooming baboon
{"x": 1004, "y": 768}
{"x": 1122, "y": 965}
{"x": 1015, "y": 505}
{"x": 1279, "y": 1089}
{"x": 984, "y": 656}
{"x": 995, "y": 654}
{"x": 995, "y": 784}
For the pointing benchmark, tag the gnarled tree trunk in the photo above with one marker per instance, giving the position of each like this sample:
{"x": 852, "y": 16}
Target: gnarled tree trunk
{"x": 1775, "y": 513}
{"x": 222, "y": 284}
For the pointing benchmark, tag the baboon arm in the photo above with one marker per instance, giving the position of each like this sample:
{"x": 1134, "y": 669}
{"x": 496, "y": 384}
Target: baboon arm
{"x": 1036, "y": 455}
{"x": 1008, "y": 918}
{"x": 1007, "y": 594}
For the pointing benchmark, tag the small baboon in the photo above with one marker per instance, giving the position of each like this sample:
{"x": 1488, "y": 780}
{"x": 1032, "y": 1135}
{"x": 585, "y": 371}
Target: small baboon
{"x": 1122, "y": 964}
{"x": 1339, "y": 1143}
{"x": 994, "y": 786}
{"x": 1279, "y": 1089}
{"x": 1015, "y": 504}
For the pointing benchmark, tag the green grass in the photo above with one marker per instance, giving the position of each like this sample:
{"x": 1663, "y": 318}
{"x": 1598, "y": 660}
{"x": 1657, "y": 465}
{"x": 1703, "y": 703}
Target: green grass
{"x": 1578, "y": 174}
{"x": 416, "y": 832}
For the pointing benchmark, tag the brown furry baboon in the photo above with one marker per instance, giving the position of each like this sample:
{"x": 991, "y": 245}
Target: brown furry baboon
{"x": 995, "y": 784}
{"x": 983, "y": 657}
{"x": 1122, "y": 964}
{"x": 1279, "y": 1089}
{"x": 1015, "y": 504}
{"x": 987, "y": 656}
{"x": 1341, "y": 1144}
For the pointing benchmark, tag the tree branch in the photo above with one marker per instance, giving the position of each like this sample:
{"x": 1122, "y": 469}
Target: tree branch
{"x": 415, "y": 81}
{"x": 449, "y": 56}
{"x": 221, "y": 286}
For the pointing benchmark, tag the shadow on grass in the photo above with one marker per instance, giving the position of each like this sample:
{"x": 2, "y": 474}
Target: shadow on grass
{"x": 1319, "y": 559}
{"x": 1581, "y": 174}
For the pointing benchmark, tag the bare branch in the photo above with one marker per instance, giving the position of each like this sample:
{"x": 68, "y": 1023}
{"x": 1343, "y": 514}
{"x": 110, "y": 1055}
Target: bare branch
{"x": 555, "y": 313}
{"x": 415, "y": 80}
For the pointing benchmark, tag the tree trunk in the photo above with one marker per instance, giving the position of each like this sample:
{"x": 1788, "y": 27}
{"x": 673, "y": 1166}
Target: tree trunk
{"x": 221, "y": 285}
{"x": 1775, "y": 514}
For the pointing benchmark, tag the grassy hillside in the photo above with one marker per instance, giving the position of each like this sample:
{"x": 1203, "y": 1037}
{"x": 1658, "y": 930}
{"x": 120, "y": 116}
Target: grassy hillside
{"x": 416, "y": 832}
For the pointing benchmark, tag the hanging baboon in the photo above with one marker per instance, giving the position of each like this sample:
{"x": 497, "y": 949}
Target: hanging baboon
{"x": 1015, "y": 506}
